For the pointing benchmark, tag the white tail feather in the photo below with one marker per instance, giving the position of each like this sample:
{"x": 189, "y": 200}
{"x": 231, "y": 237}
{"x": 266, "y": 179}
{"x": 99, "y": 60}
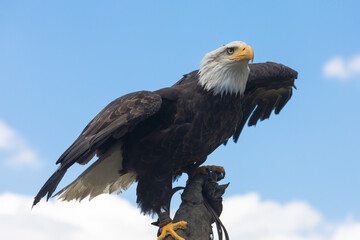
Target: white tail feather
{"x": 101, "y": 177}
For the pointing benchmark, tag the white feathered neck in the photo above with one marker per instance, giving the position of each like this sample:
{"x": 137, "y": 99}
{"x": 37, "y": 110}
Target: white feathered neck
{"x": 221, "y": 75}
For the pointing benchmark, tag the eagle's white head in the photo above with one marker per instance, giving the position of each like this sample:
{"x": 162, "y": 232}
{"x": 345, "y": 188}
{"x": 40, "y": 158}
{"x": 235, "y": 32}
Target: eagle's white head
{"x": 226, "y": 70}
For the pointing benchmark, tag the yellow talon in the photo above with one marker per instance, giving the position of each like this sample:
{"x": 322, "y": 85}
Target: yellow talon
{"x": 170, "y": 228}
{"x": 203, "y": 169}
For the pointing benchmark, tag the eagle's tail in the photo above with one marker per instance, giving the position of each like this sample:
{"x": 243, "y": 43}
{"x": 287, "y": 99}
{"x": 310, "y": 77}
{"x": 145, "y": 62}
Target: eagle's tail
{"x": 106, "y": 175}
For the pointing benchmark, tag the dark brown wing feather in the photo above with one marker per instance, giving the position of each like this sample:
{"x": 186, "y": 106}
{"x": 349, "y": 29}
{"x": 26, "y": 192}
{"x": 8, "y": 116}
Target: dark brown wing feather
{"x": 113, "y": 122}
{"x": 269, "y": 87}
{"x": 116, "y": 119}
{"x": 188, "y": 78}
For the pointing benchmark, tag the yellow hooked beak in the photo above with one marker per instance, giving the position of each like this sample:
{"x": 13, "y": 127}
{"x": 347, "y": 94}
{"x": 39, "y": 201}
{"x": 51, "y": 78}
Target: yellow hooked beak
{"x": 245, "y": 52}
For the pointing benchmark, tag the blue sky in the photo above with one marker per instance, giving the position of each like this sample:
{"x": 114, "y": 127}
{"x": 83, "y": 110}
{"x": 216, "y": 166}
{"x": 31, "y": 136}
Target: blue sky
{"x": 62, "y": 62}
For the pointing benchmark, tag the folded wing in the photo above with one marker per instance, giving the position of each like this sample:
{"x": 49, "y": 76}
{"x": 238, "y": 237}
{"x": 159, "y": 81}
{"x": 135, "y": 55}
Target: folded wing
{"x": 114, "y": 121}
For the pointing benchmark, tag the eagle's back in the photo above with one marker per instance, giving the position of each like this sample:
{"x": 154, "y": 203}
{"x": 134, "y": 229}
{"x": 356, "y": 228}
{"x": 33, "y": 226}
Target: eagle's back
{"x": 190, "y": 124}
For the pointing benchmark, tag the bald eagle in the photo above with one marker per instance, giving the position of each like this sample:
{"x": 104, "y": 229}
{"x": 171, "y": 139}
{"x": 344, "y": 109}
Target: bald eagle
{"x": 153, "y": 137}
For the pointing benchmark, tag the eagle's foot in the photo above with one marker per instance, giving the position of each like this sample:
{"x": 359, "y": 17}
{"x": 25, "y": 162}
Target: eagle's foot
{"x": 205, "y": 170}
{"x": 170, "y": 228}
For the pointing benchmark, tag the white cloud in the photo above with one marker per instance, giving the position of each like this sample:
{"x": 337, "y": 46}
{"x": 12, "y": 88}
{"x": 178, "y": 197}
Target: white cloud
{"x": 350, "y": 231}
{"x": 258, "y": 217}
{"x": 354, "y": 65}
{"x": 105, "y": 217}
{"x": 342, "y": 69}
{"x": 14, "y": 150}
{"x": 247, "y": 217}
{"x": 111, "y": 217}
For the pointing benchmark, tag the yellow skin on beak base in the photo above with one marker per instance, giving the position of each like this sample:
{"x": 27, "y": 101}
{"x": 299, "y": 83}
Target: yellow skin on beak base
{"x": 244, "y": 52}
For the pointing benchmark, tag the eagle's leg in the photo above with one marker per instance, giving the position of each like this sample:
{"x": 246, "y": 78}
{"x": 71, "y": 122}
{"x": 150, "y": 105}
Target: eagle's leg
{"x": 166, "y": 226}
{"x": 154, "y": 192}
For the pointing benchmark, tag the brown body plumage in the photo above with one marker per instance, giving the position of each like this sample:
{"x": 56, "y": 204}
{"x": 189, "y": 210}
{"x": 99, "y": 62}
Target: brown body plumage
{"x": 154, "y": 137}
{"x": 170, "y": 131}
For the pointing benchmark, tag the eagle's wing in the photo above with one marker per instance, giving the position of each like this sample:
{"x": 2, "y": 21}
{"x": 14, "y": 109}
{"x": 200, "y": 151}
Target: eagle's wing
{"x": 114, "y": 121}
{"x": 269, "y": 88}
{"x": 188, "y": 78}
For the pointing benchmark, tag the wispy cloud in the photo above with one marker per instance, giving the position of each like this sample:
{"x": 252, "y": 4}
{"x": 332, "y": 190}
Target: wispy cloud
{"x": 14, "y": 150}
{"x": 111, "y": 217}
{"x": 341, "y": 68}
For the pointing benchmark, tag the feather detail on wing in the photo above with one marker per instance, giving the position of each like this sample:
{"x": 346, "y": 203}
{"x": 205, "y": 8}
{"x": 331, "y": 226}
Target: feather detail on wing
{"x": 103, "y": 176}
{"x": 114, "y": 121}
{"x": 188, "y": 78}
{"x": 269, "y": 88}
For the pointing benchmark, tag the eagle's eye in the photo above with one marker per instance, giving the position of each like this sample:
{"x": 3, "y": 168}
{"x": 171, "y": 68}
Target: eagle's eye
{"x": 230, "y": 51}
